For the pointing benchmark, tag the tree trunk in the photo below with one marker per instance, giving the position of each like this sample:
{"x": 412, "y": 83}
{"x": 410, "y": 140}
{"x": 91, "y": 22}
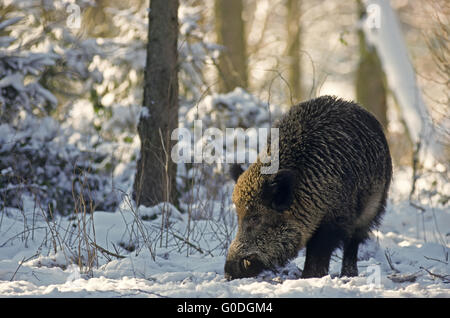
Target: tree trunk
{"x": 155, "y": 176}
{"x": 293, "y": 48}
{"x": 230, "y": 33}
{"x": 370, "y": 78}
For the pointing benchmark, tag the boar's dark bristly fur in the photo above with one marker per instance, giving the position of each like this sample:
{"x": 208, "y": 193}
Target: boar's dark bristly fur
{"x": 329, "y": 192}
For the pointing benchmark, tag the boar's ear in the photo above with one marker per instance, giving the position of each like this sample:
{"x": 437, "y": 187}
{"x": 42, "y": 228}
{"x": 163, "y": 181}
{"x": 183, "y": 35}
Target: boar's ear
{"x": 278, "y": 190}
{"x": 235, "y": 171}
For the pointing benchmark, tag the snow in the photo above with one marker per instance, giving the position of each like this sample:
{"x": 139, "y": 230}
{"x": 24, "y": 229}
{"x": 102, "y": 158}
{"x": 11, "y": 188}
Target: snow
{"x": 159, "y": 251}
{"x": 8, "y": 22}
{"x": 15, "y": 80}
{"x": 415, "y": 244}
{"x": 383, "y": 31}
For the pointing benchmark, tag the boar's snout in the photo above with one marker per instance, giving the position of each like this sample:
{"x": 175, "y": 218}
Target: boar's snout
{"x": 242, "y": 267}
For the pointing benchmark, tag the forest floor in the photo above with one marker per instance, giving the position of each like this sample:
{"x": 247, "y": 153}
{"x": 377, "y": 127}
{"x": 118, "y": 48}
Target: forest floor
{"x": 408, "y": 256}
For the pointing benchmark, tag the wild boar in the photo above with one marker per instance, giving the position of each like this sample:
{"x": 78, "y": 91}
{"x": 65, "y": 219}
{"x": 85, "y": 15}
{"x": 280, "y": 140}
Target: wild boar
{"x": 330, "y": 191}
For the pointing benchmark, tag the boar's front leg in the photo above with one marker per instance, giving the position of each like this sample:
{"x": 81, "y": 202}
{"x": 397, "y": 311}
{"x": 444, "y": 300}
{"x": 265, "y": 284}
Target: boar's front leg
{"x": 318, "y": 252}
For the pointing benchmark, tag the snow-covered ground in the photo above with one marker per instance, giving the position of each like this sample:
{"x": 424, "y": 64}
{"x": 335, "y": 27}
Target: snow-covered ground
{"x": 406, "y": 257}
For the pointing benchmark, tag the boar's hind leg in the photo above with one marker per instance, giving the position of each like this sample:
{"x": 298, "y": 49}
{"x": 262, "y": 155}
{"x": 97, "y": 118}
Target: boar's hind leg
{"x": 371, "y": 213}
{"x": 349, "y": 261}
{"x": 318, "y": 252}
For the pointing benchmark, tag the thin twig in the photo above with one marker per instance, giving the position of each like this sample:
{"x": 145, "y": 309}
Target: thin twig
{"x": 415, "y": 164}
{"x": 17, "y": 269}
{"x": 434, "y": 259}
{"x": 188, "y": 243}
{"x": 443, "y": 277}
{"x": 106, "y": 251}
{"x": 20, "y": 265}
{"x": 19, "y": 234}
{"x": 417, "y": 206}
{"x": 389, "y": 260}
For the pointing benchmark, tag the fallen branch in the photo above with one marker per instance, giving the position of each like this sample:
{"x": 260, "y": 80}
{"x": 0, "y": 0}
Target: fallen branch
{"x": 443, "y": 277}
{"x": 403, "y": 278}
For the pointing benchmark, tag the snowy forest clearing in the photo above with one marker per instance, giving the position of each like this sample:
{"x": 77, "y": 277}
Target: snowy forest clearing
{"x": 406, "y": 257}
{"x": 71, "y": 104}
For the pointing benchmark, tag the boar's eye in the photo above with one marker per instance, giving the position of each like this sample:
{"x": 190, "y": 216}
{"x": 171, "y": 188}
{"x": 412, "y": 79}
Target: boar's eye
{"x": 278, "y": 190}
{"x": 254, "y": 220}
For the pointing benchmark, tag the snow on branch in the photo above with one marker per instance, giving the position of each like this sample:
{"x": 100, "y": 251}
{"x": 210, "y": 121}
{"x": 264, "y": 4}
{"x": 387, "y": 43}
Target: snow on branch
{"x": 382, "y": 30}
